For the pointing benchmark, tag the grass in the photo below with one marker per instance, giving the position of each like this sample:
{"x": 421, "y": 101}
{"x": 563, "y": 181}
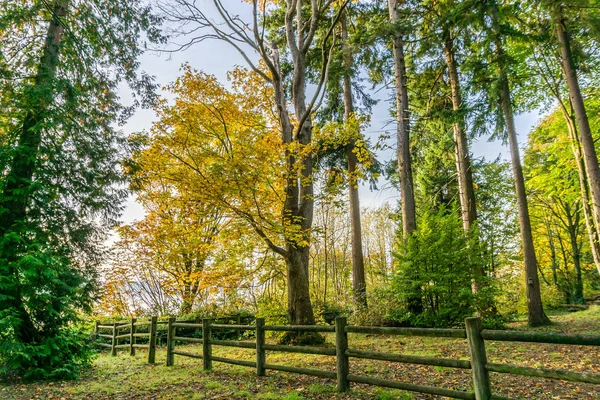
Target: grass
{"x": 125, "y": 377}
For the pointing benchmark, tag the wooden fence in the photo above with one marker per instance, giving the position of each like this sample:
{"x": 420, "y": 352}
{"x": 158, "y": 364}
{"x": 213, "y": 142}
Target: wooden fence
{"x": 150, "y": 330}
{"x": 473, "y": 333}
{"x": 133, "y": 333}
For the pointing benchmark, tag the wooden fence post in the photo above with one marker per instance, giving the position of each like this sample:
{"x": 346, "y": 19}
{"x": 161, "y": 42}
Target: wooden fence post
{"x": 341, "y": 345}
{"x": 238, "y": 321}
{"x": 206, "y": 348}
{"x": 132, "y": 337}
{"x": 170, "y": 342}
{"x": 152, "y": 341}
{"x": 481, "y": 378}
{"x": 260, "y": 347}
{"x": 96, "y": 330}
{"x": 113, "y": 348}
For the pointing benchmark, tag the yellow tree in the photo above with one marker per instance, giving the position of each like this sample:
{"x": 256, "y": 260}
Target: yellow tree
{"x": 284, "y": 36}
{"x": 219, "y": 152}
{"x": 182, "y": 253}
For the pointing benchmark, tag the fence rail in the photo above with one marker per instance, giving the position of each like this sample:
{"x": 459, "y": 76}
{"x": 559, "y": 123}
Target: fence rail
{"x": 132, "y": 335}
{"x": 473, "y": 333}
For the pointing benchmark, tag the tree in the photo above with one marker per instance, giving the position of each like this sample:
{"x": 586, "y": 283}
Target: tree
{"x": 60, "y": 157}
{"x": 301, "y": 22}
{"x": 536, "y": 315}
{"x": 461, "y": 146}
{"x": 409, "y": 219}
{"x": 552, "y": 170}
{"x": 587, "y": 142}
{"x": 359, "y": 285}
{"x": 576, "y": 64}
{"x": 439, "y": 259}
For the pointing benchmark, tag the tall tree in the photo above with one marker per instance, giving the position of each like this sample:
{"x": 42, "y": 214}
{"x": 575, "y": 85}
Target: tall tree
{"x": 552, "y": 79}
{"x": 407, "y": 201}
{"x": 359, "y": 285}
{"x": 61, "y": 155}
{"x": 590, "y": 157}
{"x": 301, "y": 22}
{"x": 535, "y": 310}
{"x": 464, "y": 172}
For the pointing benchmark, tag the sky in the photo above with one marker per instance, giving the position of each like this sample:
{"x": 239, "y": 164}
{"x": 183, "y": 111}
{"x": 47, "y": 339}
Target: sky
{"x": 217, "y": 58}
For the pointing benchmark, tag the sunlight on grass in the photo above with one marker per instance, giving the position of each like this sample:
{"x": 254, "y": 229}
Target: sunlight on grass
{"x": 125, "y": 377}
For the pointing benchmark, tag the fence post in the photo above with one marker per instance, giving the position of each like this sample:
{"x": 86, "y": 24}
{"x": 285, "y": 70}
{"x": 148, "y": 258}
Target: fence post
{"x": 113, "y": 348}
{"x": 96, "y": 330}
{"x": 206, "y": 349}
{"x": 341, "y": 345}
{"x": 170, "y": 342}
{"x": 132, "y": 337}
{"x": 152, "y": 341}
{"x": 260, "y": 347}
{"x": 238, "y": 321}
{"x": 481, "y": 378}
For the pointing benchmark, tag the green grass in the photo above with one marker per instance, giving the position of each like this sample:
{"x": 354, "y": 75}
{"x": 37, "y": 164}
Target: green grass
{"x": 124, "y": 377}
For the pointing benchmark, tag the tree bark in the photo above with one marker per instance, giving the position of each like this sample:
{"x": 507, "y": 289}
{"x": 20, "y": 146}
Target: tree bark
{"x": 407, "y": 199}
{"x": 535, "y": 309}
{"x": 572, "y": 223}
{"x": 587, "y": 142}
{"x": 359, "y": 285}
{"x": 461, "y": 151}
{"x": 17, "y": 191}
{"x": 461, "y": 144}
{"x": 409, "y": 219}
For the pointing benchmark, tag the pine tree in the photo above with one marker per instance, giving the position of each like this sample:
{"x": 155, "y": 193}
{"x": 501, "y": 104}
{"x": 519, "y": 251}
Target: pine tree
{"x": 61, "y": 155}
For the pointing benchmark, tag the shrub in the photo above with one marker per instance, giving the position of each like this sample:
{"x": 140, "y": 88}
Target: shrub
{"x": 53, "y": 357}
{"x": 434, "y": 271}
{"x": 42, "y": 291}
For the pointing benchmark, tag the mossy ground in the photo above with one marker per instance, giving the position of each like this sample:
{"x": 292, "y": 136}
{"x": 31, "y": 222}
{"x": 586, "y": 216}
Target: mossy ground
{"x": 125, "y": 377}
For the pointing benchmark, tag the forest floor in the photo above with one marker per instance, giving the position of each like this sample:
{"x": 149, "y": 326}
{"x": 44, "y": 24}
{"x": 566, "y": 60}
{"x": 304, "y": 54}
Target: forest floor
{"x": 124, "y": 377}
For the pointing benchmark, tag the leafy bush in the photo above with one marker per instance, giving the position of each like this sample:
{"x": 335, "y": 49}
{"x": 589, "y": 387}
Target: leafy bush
{"x": 382, "y": 311}
{"x": 434, "y": 271}
{"x": 52, "y": 357}
{"x": 326, "y": 313}
{"x": 42, "y": 291}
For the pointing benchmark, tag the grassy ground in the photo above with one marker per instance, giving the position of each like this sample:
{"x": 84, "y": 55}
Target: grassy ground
{"x": 125, "y": 377}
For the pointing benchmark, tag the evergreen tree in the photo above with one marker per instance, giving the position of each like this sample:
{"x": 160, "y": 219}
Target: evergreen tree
{"x": 60, "y": 157}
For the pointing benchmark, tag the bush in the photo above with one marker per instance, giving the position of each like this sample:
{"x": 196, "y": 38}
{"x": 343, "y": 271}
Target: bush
{"x": 434, "y": 271}
{"x": 326, "y": 313}
{"x": 382, "y": 311}
{"x": 57, "y": 357}
{"x": 42, "y": 290}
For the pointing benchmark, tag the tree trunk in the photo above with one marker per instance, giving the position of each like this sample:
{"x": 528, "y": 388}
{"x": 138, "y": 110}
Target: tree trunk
{"x": 461, "y": 151}
{"x": 535, "y": 309}
{"x": 359, "y": 285}
{"x": 407, "y": 199}
{"x": 299, "y": 306}
{"x": 19, "y": 178}
{"x": 554, "y": 264}
{"x": 299, "y": 202}
{"x": 461, "y": 144}
{"x": 566, "y": 287}
{"x": 590, "y": 158}
{"x": 409, "y": 219}
{"x": 572, "y": 222}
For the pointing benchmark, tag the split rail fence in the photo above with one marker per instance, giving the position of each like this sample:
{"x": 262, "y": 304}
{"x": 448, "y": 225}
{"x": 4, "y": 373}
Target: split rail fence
{"x": 473, "y": 333}
{"x": 149, "y": 330}
{"x": 114, "y": 329}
